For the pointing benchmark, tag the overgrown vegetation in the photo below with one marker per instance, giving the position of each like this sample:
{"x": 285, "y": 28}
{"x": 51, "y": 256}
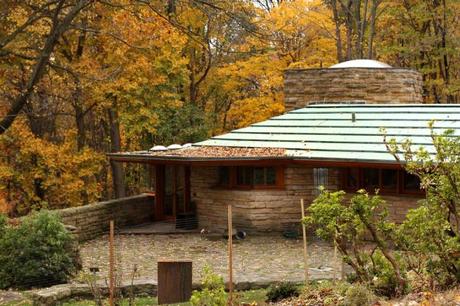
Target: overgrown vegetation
{"x": 39, "y": 251}
{"x": 430, "y": 235}
{"x": 349, "y": 224}
{"x": 421, "y": 253}
{"x": 213, "y": 290}
{"x": 281, "y": 291}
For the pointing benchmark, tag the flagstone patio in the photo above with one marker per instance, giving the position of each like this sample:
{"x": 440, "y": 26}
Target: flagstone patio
{"x": 257, "y": 259}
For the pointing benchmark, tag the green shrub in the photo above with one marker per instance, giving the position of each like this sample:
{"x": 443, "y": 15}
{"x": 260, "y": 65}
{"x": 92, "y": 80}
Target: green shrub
{"x": 39, "y": 251}
{"x": 431, "y": 247}
{"x": 3, "y": 223}
{"x": 384, "y": 281}
{"x": 213, "y": 291}
{"x": 281, "y": 291}
{"x": 350, "y": 224}
{"x": 324, "y": 293}
{"x": 359, "y": 295}
{"x": 430, "y": 235}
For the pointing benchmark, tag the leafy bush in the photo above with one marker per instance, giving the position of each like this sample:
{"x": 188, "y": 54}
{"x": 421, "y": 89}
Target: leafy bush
{"x": 349, "y": 224}
{"x": 39, "y": 251}
{"x": 213, "y": 291}
{"x": 431, "y": 250}
{"x": 3, "y": 222}
{"x": 432, "y": 231}
{"x": 384, "y": 280}
{"x": 282, "y": 291}
{"x": 359, "y": 295}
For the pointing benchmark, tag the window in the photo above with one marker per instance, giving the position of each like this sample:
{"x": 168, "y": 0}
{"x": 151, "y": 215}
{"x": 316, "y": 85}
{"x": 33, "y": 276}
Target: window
{"x": 251, "y": 177}
{"x": 371, "y": 179}
{"x": 224, "y": 176}
{"x": 352, "y": 181}
{"x": 320, "y": 178}
{"x": 244, "y": 176}
{"x": 410, "y": 183}
{"x": 388, "y": 181}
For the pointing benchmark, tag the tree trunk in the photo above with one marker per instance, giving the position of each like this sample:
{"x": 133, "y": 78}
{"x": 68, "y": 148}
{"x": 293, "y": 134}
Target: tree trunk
{"x": 57, "y": 29}
{"x": 338, "y": 35}
{"x": 349, "y": 30}
{"x": 115, "y": 146}
{"x": 370, "y": 43}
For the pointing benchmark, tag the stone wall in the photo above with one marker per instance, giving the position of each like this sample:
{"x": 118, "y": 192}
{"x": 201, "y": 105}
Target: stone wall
{"x": 373, "y": 85}
{"x": 268, "y": 210}
{"x": 93, "y": 220}
{"x": 399, "y": 205}
{"x": 254, "y": 210}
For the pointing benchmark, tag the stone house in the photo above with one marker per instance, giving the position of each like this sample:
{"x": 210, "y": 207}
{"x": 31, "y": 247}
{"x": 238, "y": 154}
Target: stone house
{"x": 329, "y": 136}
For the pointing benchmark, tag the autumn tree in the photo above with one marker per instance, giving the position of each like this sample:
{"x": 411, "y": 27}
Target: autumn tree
{"x": 355, "y": 27}
{"x": 45, "y": 20}
{"x": 424, "y": 35}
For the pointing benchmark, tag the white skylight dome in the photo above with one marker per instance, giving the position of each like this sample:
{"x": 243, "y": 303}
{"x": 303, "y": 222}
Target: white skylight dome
{"x": 361, "y": 63}
{"x": 174, "y": 146}
{"x": 158, "y": 148}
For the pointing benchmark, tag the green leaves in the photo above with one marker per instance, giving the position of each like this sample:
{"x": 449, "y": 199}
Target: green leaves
{"x": 351, "y": 222}
{"x": 40, "y": 251}
{"x": 213, "y": 291}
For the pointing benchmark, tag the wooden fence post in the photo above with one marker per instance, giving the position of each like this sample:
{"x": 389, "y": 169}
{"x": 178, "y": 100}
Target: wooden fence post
{"x": 304, "y": 233}
{"x": 111, "y": 263}
{"x": 230, "y": 255}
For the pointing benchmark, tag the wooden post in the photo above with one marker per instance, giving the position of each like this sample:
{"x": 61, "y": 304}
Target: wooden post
{"x": 335, "y": 265}
{"x": 304, "y": 233}
{"x": 174, "y": 190}
{"x": 230, "y": 256}
{"x": 111, "y": 263}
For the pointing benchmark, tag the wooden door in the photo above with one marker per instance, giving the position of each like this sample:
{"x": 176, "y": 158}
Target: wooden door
{"x": 172, "y": 191}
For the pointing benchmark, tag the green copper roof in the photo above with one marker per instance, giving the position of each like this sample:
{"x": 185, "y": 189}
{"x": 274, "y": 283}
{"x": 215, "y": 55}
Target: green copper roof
{"x": 344, "y": 132}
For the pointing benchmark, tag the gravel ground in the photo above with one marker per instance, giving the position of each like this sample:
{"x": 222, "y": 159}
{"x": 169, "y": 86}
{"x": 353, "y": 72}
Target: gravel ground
{"x": 256, "y": 259}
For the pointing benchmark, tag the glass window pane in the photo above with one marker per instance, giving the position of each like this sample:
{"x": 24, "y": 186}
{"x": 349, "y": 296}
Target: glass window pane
{"x": 371, "y": 179}
{"x": 271, "y": 176}
{"x": 224, "y": 175}
{"x": 389, "y": 179}
{"x": 259, "y": 174}
{"x": 352, "y": 178}
{"x": 411, "y": 182}
{"x": 244, "y": 176}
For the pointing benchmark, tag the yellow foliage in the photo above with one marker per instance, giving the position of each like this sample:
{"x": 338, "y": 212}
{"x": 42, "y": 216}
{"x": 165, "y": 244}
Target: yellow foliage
{"x": 35, "y": 173}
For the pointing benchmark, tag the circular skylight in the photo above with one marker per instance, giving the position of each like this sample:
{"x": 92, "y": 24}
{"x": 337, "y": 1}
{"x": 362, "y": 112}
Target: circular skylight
{"x": 361, "y": 63}
{"x": 158, "y": 148}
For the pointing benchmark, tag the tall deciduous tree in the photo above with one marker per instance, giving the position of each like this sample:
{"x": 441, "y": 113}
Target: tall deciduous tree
{"x": 59, "y": 15}
{"x": 356, "y": 20}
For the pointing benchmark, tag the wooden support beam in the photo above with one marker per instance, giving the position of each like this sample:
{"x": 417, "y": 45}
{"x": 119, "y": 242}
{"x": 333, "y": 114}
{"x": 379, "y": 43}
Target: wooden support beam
{"x": 174, "y": 190}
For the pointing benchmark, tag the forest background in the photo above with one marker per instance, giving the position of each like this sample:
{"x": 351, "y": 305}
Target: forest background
{"x": 80, "y": 78}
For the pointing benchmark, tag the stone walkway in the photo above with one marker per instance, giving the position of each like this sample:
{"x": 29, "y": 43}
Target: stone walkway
{"x": 256, "y": 259}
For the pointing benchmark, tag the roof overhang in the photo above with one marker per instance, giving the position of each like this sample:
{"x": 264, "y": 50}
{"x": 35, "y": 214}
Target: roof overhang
{"x": 267, "y": 161}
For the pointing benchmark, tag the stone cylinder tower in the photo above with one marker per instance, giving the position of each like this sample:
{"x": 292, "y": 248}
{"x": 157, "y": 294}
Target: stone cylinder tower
{"x": 365, "y": 81}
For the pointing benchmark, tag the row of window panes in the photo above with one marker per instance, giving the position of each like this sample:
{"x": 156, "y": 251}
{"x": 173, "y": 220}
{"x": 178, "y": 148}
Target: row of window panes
{"x": 386, "y": 180}
{"x": 248, "y": 176}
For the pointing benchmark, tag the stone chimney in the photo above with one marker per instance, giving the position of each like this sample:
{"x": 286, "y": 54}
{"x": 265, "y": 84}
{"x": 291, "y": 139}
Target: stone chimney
{"x": 360, "y": 81}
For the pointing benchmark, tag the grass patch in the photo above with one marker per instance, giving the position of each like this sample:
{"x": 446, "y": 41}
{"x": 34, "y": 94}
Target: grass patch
{"x": 258, "y": 296}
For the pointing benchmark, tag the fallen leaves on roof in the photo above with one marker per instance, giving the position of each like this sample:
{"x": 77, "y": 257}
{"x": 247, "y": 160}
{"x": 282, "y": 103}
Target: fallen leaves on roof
{"x": 217, "y": 152}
